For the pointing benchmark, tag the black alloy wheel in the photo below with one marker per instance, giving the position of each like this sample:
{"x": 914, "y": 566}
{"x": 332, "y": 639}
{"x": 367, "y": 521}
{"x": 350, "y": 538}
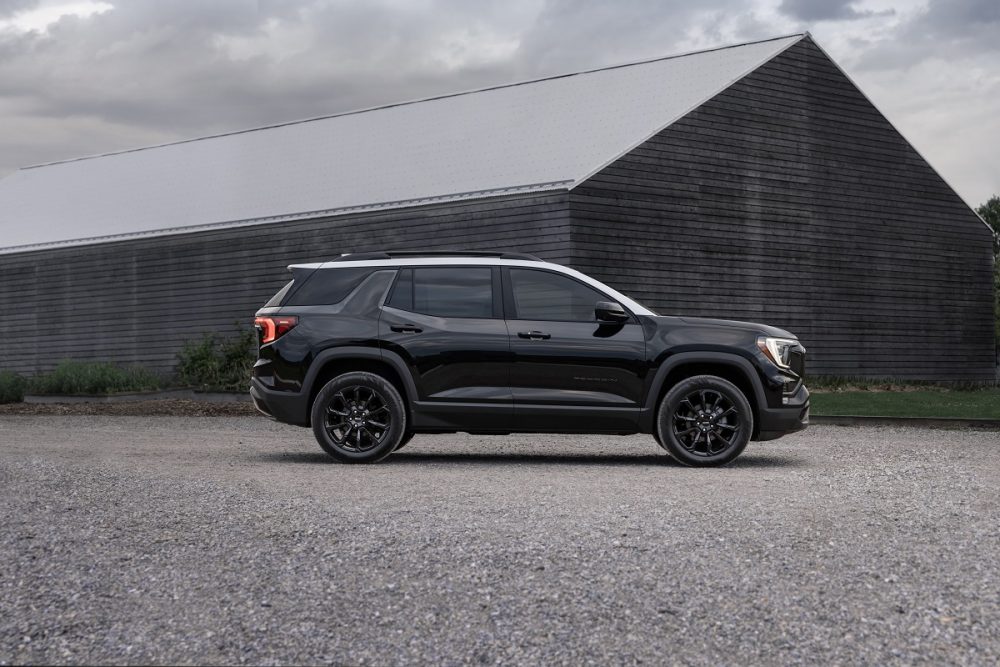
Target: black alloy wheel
{"x": 358, "y": 418}
{"x": 704, "y": 421}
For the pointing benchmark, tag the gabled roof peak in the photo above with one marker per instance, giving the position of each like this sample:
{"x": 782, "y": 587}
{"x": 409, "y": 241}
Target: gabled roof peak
{"x": 533, "y": 136}
{"x": 418, "y": 100}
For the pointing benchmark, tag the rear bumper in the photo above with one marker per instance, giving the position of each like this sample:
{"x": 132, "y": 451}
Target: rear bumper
{"x": 791, "y": 417}
{"x": 283, "y": 406}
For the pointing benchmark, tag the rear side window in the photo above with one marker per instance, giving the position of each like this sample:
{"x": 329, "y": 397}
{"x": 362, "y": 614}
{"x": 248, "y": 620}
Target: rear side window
{"x": 328, "y": 286}
{"x": 445, "y": 292}
{"x": 277, "y": 298}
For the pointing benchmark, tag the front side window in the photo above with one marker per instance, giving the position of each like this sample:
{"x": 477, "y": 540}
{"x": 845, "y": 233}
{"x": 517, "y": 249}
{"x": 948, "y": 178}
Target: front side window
{"x": 542, "y": 295}
{"x": 457, "y": 291}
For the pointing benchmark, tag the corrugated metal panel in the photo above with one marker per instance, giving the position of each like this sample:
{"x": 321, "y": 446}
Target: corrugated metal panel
{"x": 535, "y": 136}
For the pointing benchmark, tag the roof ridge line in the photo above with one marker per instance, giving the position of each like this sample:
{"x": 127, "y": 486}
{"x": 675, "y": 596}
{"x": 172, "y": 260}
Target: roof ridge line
{"x": 409, "y": 102}
{"x": 801, "y": 36}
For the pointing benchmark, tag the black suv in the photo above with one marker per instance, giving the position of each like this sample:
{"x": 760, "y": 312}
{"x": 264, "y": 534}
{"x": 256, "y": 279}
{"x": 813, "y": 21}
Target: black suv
{"x": 371, "y": 348}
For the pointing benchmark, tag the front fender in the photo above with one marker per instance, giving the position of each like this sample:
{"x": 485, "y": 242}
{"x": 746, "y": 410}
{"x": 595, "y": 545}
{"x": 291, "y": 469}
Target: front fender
{"x": 647, "y": 413}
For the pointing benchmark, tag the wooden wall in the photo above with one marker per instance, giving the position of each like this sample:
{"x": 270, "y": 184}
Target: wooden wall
{"x": 138, "y": 301}
{"x": 789, "y": 199}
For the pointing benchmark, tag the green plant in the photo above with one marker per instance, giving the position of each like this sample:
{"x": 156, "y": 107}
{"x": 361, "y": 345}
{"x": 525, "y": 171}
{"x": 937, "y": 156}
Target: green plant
{"x": 12, "y": 387}
{"x": 93, "y": 377}
{"x": 211, "y": 363}
{"x": 990, "y": 213}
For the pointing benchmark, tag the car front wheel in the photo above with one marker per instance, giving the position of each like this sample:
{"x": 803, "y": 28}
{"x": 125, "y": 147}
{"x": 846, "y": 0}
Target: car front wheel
{"x": 704, "y": 421}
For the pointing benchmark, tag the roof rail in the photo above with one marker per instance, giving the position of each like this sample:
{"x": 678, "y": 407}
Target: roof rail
{"x": 395, "y": 254}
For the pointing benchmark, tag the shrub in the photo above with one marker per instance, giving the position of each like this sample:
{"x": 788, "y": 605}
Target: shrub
{"x": 93, "y": 377}
{"x": 221, "y": 365}
{"x": 11, "y": 387}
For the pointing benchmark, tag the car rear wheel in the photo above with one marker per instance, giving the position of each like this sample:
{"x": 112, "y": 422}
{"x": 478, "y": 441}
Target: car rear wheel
{"x": 704, "y": 421}
{"x": 358, "y": 418}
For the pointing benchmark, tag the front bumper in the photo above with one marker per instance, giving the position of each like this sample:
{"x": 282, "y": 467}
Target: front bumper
{"x": 792, "y": 416}
{"x": 283, "y": 406}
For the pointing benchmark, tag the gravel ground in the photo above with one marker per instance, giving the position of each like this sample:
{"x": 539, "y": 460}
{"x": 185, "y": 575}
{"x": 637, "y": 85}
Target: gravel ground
{"x": 234, "y": 540}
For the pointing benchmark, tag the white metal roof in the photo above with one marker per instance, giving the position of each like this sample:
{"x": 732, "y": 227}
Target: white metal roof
{"x": 548, "y": 134}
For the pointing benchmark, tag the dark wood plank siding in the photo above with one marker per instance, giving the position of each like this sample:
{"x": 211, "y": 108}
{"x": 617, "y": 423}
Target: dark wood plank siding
{"x": 789, "y": 199}
{"x": 138, "y": 301}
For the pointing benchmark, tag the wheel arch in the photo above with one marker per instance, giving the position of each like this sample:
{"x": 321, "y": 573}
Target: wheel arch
{"x": 337, "y": 361}
{"x": 730, "y": 367}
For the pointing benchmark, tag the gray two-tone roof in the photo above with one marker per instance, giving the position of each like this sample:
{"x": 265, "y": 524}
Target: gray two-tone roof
{"x": 548, "y": 134}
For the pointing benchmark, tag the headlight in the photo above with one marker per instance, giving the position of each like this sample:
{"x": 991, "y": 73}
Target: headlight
{"x": 777, "y": 349}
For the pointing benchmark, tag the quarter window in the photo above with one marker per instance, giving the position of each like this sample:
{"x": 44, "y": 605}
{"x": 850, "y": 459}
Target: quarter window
{"x": 541, "y": 295}
{"x": 328, "y": 286}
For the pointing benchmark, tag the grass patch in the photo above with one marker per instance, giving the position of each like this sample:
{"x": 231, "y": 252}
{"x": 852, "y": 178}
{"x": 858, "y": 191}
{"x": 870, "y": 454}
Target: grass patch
{"x": 849, "y": 383}
{"x": 93, "y": 377}
{"x": 941, "y": 403}
{"x": 12, "y": 387}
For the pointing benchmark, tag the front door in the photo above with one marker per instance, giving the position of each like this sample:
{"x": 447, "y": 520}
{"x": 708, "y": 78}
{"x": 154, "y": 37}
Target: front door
{"x": 447, "y": 325}
{"x": 570, "y": 372}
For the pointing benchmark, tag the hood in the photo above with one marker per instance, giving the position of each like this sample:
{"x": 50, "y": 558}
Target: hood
{"x": 734, "y": 324}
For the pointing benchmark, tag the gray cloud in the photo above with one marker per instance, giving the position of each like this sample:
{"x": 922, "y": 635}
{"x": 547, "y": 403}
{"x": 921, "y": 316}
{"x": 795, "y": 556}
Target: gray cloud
{"x": 948, "y": 24}
{"x": 10, "y": 7}
{"x": 945, "y": 29}
{"x": 824, "y": 10}
{"x": 150, "y": 71}
{"x": 573, "y": 34}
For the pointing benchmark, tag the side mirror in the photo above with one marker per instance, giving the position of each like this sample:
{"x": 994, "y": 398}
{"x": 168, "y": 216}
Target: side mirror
{"x": 609, "y": 311}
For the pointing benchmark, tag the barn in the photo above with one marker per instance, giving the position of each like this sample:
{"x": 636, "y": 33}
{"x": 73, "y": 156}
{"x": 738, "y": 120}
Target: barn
{"x": 752, "y": 182}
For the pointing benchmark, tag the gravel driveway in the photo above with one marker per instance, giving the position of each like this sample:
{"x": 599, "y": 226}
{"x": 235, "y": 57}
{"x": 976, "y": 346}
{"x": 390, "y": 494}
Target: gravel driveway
{"x": 232, "y": 540}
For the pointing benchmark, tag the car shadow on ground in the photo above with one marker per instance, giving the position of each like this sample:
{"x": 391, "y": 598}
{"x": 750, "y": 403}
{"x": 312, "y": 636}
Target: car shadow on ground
{"x": 466, "y": 458}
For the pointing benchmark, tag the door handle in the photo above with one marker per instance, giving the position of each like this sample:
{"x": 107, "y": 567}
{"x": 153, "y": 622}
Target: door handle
{"x": 406, "y": 328}
{"x": 534, "y": 335}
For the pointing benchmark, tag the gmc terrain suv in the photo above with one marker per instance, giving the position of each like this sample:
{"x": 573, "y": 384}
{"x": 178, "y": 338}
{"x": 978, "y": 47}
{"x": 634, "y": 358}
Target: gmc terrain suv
{"x": 369, "y": 349}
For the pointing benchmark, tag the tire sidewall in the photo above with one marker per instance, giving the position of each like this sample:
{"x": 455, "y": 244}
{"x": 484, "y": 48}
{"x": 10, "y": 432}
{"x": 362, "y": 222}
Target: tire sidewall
{"x": 668, "y": 405}
{"x": 405, "y": 439}
{"x": 393, "y": 401}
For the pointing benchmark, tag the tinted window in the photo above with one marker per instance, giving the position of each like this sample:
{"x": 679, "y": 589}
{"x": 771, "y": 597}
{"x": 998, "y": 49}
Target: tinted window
{"x": 540, "y": 295}
{"x": 276, "y": 299}
{"x": 328, "y": 286}
{"x": 402, "y": 292}
{"x": 445, "y": 292}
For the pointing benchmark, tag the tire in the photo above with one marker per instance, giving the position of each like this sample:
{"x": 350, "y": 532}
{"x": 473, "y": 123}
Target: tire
{"x": 656, "y": 436}
{"x": 405, "y": 439}
{"x": 704, "y": 421}
{"x": 358, "y": 418}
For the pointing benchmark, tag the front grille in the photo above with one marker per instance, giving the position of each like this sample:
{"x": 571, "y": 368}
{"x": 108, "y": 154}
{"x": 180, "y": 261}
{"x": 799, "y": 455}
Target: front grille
{"x": 797, "y": 361}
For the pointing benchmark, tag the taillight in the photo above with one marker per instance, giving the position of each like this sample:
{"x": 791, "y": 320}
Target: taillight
{"x": 273, "y": 328}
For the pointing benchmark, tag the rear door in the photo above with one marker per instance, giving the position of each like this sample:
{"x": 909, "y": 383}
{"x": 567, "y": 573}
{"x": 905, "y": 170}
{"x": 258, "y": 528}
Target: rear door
{"x": 570, "y": 372}
{"x": 446, "y": 322}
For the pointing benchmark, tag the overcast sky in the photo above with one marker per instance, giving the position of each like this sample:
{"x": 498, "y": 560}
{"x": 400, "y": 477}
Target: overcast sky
{"x": 79, "y": 77}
